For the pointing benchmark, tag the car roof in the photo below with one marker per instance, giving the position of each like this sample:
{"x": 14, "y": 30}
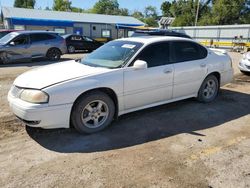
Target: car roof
{"x": 152, "y": 39}
{"x": 31, "y": 32}
{"x": 160, "y": 32}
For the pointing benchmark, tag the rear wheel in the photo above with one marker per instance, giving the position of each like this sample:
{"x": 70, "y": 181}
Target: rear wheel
{"x": 209, "y": 89}
{"x": 92, "y": 112}
{"x": 71, "y": 49}
{"x": 54, "y": 54}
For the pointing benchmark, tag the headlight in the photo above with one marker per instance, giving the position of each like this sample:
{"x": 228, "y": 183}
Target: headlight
{"x": 34, "y": 96}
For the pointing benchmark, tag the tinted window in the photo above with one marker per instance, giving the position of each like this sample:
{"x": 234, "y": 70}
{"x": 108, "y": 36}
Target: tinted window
{"x": 21, "y": 40}
{"x": 187, "y": 51}
{"x": 41, "y": 37}
{"x": 76, "y": 38}
{"x": 155, "y": 54}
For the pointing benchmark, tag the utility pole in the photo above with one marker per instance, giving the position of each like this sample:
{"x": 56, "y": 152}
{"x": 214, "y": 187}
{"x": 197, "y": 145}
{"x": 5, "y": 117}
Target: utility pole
{"x": 197, "y": 13}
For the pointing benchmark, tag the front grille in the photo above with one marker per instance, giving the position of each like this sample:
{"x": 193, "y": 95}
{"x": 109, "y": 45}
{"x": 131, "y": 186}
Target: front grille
{"x": 15, "y": 91}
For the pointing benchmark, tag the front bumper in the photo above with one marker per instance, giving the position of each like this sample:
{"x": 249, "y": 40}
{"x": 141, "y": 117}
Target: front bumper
{"x": 41, "y": 115}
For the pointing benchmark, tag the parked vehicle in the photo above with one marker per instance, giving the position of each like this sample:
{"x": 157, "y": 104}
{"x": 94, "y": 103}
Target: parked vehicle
{"x": 159, "y": 32}
{"x": 5, "y": 32}
{"x": 78, "y": 42}
{"x": 244, "y": 64}
{"x": 122, "y": 76}
{"x": 26, "y": 45}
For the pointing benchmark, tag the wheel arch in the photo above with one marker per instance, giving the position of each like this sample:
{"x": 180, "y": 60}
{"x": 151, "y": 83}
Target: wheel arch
{"x": 110, "y": 92}
{"x": 217, "y": 75}
{"x": 53, "y": 48}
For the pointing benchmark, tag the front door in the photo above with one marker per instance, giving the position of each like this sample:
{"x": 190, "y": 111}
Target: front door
{"x": 153, "y": 84}
{"x": 19, "y": 48}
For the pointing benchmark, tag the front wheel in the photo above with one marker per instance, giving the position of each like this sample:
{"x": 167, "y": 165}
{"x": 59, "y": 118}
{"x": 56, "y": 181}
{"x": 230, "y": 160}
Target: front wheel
{"x": 54, "y": 54}
{"x": 92, "y": 112}
{"x": 209, "y": 89}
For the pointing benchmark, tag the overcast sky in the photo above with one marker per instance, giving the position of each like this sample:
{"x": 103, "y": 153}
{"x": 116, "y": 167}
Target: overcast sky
{"x": 86, "y": 4}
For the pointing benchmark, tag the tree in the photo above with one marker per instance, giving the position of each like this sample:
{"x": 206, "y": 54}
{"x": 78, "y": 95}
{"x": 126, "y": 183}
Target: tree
{"x": 61, "y": 5}
{"x": 150, "y": 11}
{"x": 110, "y": 7}
{"x": 25, "y": 3}
{"x": 211, "y": 12}
{"x": 123, "y": 12}
{"x": 138, "y": 15}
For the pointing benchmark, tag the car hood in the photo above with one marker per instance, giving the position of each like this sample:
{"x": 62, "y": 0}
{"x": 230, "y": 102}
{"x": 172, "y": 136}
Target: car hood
{"x": 59, "y": 72}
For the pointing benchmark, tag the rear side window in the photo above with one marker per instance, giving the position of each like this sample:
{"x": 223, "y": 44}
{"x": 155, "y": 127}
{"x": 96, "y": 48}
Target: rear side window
{"x": 187, "y": 51}
{"x": 155, "y": 54}
{"x": 37, "y": 37}
{"x": 76, "y": 38}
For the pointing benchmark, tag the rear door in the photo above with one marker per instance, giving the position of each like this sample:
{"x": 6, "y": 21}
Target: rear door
{"x": 190, "y": 65}
{"x": 40, "y": 43}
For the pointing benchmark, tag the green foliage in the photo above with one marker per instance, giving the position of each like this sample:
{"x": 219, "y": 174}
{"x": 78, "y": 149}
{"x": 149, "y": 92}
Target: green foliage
{"x": 24, "y": 3}
{"x": 61, "y": 5}
{"x": 110, "y": 7}
{"x": 211, "y": 12}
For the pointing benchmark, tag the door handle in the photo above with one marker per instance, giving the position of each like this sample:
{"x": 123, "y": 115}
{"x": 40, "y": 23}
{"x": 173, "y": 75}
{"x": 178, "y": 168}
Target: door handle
{"x": 167, "y": 71}
{"x": 203, "y": 65}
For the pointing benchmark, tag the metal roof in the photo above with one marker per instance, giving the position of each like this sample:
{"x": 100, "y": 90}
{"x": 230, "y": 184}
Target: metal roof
{"x": 10, "y": 12}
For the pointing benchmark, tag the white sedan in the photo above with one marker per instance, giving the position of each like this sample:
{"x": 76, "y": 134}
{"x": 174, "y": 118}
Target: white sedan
{"x": 122, "y": 76}
{"x": 244, "y": 64}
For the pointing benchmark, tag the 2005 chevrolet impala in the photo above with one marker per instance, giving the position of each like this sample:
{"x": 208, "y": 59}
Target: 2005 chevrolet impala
{"x": 120, "y": 77}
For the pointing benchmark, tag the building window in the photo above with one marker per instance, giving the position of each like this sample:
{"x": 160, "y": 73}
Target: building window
{"x": 106, "y": 33}
{"x": 94, "y": 28}
{"x": 60, "y": 30}
{"x": 130, "y": 33}
{"x": 19, "y": 27}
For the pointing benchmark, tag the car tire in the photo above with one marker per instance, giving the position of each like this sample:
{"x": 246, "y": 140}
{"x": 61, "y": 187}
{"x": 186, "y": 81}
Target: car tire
{"x": 4, "y": 58}
{"x": 92, "y": 112}
{"x": 53, "y": 54}
{"x": 209, "y": 89}
{"x": 71, "y": 49}
{"x": 245, "y": 72}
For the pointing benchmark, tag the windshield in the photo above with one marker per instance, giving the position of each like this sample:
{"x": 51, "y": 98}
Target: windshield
{"x": 7, "y": 38}
{"x": 112, "y": 55}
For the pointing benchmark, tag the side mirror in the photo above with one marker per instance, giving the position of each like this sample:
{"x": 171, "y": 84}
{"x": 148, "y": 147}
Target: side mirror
{"x": 12, "y": 43}
{"x": 139, "y": 64}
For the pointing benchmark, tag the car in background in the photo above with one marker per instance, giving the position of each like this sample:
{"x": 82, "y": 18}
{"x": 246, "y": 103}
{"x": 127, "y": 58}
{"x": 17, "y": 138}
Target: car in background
{"x": 121, "y": 76}
{"x": 244, "y": 64}
{"x": 5, "y": 32}
{"x": 79, "y": 42}
{"x": 159, "y": 32}
{"x": 26, "y": 45}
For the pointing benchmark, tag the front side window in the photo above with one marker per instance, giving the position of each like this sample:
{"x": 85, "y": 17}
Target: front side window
{"x": 88, "y": 39}
{"x": 113, "y": 54}
{"x": 21, "y": 40}
{"x": 187, "y": 51}
{"x": 155, "y": 54}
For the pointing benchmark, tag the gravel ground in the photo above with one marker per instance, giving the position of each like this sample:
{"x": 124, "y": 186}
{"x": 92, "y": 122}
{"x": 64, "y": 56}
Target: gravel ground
{"x": 182, "y": 144}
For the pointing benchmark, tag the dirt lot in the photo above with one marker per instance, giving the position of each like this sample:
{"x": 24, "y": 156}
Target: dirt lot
{"x": 183, "y": 144}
